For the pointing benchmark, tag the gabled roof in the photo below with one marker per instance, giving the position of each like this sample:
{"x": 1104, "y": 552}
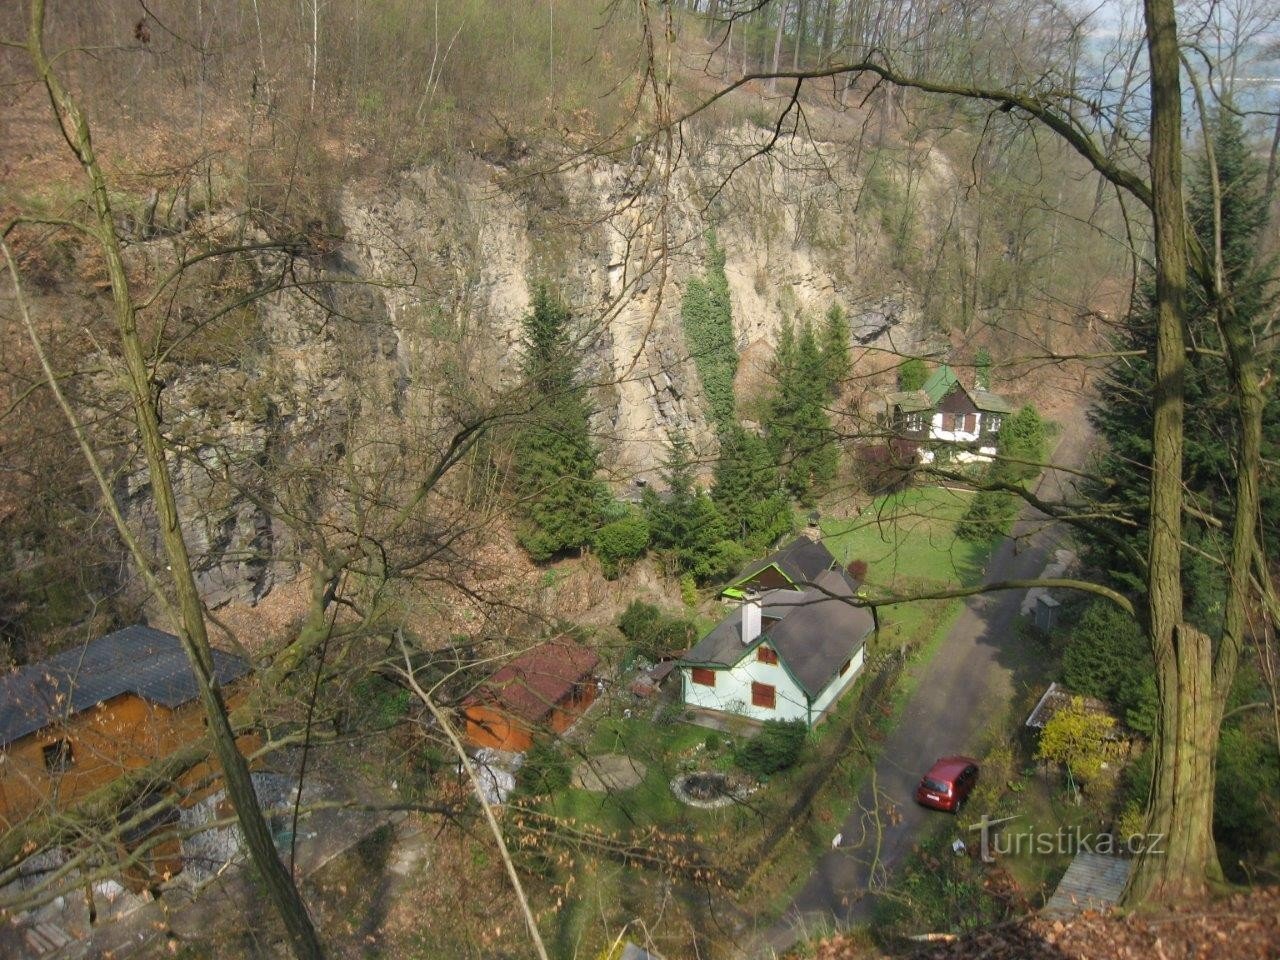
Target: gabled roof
{"x": 529, "y": 687}
{"x": 140, "y": 660}
{"x": 938, "y": 385}
{"x": 814, "y": 631}
{"x": 800, "y": 561}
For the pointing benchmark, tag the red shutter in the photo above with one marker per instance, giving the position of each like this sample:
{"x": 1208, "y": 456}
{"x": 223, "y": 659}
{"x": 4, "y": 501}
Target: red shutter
{"x": 765, "y": 655}
{"x": 970, "y": 422}
{"x": 764, "y": 695}
{"x": 705, "y": 677}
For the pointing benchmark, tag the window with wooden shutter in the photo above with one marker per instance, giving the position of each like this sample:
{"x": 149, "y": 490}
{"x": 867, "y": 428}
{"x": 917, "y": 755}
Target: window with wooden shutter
{"x": 764, "y": 695}
{"x": 765, "y": 655}
{"x": 948, "y": 421}
{"x": 706, "y": 678}
{"x": 970, "y": 422}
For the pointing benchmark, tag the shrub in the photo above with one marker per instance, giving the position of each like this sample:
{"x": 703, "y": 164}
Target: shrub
{"x": 653, "y": 633}
{"x": 545, "y": 770}
{"x": 912, "y": 374}
{"x": 988, "y": 518}
{"x": 1022, "y": 437}
{"x": 689, "y": 590}
{"x": 1108, "y": 657}
{"x": 621, "y": 541}
{"x": 1077, "y": 738}
{"x": 776, "y": 747}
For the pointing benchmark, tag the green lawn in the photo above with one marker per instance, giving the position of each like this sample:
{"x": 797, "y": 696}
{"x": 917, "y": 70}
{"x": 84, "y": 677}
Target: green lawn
{"x": 909, "y": 536}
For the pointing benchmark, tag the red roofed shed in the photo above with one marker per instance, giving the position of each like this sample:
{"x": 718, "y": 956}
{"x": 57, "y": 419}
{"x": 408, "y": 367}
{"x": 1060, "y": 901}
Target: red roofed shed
{"x": 546, "y": 688}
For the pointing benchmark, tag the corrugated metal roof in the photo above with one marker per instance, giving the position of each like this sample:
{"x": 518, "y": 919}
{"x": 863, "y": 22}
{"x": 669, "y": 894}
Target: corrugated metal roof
{"x": 938, "y": 383}
{"x": 990, "y": 402}
{"x": 910, "y": 401}
{"x": 140, "y": 660}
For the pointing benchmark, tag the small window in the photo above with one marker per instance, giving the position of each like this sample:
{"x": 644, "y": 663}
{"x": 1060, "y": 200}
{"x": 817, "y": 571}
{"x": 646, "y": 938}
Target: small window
{"x": 948, "y": 421}
{"x": 993, "y": 422}
{"x": 706, "y": 678}
{"x": 915, "y": 421}
{"x": 764, "y": 695}
{"x": 970, "y": 422}
{"x": 765, "y": 655}
{"x": 845, "y": 668}
{"x": 57, "y": 756}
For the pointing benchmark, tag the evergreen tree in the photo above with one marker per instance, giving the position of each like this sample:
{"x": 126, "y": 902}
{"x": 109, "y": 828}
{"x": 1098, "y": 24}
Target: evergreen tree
{"x": 912, "y": 374}
{"x": 835, "y": 349}
{"x": 1123, "y": 414}
{"x": 751, "y": 499}
{"x": 685, "y": 523}
{"x": 560, "y": 499}
{"x": 799, "y": 429}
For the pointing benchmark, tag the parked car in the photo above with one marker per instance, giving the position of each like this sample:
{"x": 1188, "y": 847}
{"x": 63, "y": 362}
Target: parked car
{"x": 948, "y": 783}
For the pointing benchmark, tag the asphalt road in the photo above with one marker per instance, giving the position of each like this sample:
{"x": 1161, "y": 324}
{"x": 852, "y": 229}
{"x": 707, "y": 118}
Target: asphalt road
{"x": 967, "y": 683}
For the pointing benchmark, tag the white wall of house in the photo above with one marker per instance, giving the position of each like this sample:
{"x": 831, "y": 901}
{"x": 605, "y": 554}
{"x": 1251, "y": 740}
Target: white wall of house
{"x": 839, "y": 685}
{"x": 732, "y": 692}
{"x": 954, "y": 436}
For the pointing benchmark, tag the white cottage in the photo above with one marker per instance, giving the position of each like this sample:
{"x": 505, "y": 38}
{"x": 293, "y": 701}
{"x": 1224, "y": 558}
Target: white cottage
{"x": 786, "y": 654}
{"x": 944, "y": 414}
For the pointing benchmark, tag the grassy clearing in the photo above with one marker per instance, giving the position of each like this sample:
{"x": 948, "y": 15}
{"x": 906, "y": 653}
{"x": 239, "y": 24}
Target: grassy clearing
{"x": 910, "y": 537}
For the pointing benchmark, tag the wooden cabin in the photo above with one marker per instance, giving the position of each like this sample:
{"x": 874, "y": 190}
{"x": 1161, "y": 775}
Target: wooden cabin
{"x": 541, "y": 691}
{"x": 80, "y": 719}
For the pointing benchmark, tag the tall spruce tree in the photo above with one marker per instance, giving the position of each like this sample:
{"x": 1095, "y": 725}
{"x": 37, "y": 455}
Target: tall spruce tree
{"x": 836, "y": 361}
{"x": 799, "y": 430}
{"x": 556, "y": 461}
{"x": 685, "y": 524}
{"x": 748, "y": 492}
{"x": 1123, "y": 413}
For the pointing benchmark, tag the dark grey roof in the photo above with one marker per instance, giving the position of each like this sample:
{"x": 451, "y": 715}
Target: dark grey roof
{"x": 140, "y": 660}
{"x": 814, "y": 631}
{"x": 801, "y": 560}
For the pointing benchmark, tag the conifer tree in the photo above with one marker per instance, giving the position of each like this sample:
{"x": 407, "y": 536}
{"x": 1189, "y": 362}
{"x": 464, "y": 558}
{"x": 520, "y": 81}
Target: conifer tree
{"x": 1123, "y": 412}
{"x": 799, "y": 429}
{"x": 751, "y": 499}
{"x": 556, "y": 461}
{"x": 835, "y": 349}
{"x": 685, "y": 523}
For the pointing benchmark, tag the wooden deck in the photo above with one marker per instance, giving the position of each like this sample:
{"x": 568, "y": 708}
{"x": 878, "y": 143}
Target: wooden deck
{"x": 1092, "y": 882}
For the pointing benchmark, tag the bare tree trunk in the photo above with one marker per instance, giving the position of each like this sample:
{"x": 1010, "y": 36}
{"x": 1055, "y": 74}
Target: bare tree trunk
{"x": 1182, "y": 796}
{"x": 777, "y": 45}
{"x": 801, "y": 10}
{"x": 191, "y": 629}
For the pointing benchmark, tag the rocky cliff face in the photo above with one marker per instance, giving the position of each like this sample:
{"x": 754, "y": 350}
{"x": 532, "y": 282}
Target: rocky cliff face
{"x": 418, "y": 309}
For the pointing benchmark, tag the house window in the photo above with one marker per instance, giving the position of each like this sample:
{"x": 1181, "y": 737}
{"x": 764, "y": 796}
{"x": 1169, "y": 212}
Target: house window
{"x": 765, "y": 655}
{"x": 970, "y": 422}
{"x": 914, "y": 421}
{"x": 764, "y": 695}
{"x": 993, "y": 422}
{"x": 948, "y": 421}
{"x": 706, "y": 678}
{"x": 845, "y": 668}
{"x": 57, "y": 756}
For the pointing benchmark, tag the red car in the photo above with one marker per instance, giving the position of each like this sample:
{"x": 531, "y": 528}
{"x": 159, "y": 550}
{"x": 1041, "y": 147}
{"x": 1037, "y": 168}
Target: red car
{"x": 948, "y": 783}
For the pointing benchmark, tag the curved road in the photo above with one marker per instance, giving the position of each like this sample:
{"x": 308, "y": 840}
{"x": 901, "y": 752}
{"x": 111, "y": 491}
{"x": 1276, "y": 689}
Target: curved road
{"x": 966, "y": 684}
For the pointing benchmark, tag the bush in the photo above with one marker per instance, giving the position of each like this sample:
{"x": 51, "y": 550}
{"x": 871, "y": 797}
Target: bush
{"x": 654, "y": 634}
{"x": 545, "y": 770}
{"x": 1108, "y": 657}
{"x": 1022, "y": 437}
{"x": 621, "y": 541}
{"x": 1076, "y": 737}
{"x": 776, "y": 747}
{"x": 988, "y": 518}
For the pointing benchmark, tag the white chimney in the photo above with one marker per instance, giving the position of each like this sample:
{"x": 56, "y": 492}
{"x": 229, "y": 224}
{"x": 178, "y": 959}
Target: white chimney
{"x": 750, "y": 616}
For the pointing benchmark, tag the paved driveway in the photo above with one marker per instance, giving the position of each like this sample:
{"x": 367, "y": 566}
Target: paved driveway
{"x": 966, "y": 684}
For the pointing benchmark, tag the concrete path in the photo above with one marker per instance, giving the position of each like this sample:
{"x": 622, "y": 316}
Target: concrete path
{"x": 966, "y": 684}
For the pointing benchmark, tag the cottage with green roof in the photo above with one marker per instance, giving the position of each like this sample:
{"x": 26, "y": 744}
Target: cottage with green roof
{"x": 946, "y": 414}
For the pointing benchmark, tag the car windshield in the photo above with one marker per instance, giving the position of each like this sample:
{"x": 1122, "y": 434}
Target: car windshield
{"x": 936, "y": 786}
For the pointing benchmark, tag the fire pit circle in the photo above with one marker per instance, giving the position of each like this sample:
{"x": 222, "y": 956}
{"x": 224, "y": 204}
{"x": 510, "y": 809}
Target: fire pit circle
{"x": 707, "y": 789}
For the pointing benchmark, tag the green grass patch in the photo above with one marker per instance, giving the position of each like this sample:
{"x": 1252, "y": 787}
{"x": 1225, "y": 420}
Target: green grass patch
{"x": 910, "y": 536}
